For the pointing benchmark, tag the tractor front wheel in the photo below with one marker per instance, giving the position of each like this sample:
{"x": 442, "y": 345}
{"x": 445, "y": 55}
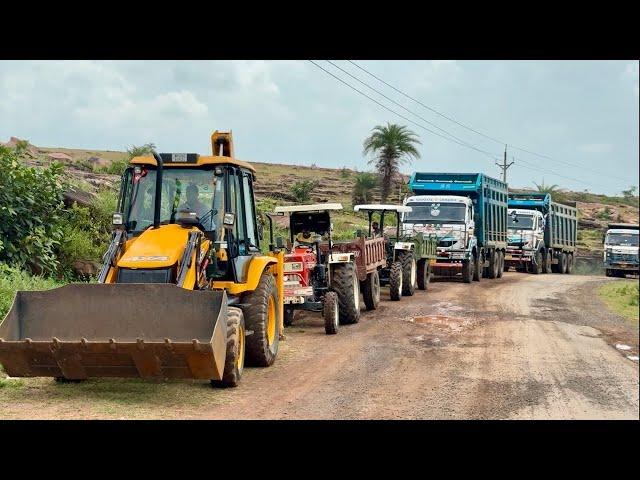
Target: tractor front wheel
{"x": 395, "y": 281}
{"x": 371, "y": 290}
{"x": 261, "y": 318}
{"x": 331, "y": 313}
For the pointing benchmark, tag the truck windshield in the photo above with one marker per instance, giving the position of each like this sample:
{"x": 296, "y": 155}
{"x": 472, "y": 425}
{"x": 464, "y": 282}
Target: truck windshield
{"x": 191, "y": 189}
{"x": 436, "y": 212}
{"x": 623, "y": 239}
{"x": 520, "y": 222}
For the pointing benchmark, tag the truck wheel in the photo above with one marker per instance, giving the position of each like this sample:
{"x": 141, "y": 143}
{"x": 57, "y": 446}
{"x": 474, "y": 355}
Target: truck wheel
{"x": 569, "y": 263}
{"x": 395, "y": 281}
{"x": 608, "y": 272}
{"x": 234, "y": 362}
{"x": 331, "y": 313}
{"x": 371, "y": 290}
{"x": 468, "y": 270}
{"x": 345, "y": 283}
{"x": 477, "y": 272}
{"x": 563, "y": 263}
{"x": 424, "y": 273}
{"x": 555, "y": 267}
{"x": 536, "y": 267}
{"x": 493, "y": 265}
{"x": 409, "y": 273}
{"x": 261, "y": 317}
{"x": 546, "y": 264}
{"x": 289, "y": 313}
{"x": 500, "y": 264}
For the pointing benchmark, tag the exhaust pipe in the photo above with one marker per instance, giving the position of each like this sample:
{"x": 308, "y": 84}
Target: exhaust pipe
{"x": 156, "y": 206}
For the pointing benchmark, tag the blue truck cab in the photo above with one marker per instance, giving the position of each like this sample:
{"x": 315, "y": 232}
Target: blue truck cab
{"x": 468, "y": 214}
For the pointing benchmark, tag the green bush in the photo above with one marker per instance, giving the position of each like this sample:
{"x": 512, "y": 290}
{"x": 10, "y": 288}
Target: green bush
{"x": 302, "y": 190}
{"x": 116, "y": 167}
{"x": 13, "y": 279}
{"x": 30, "y": 213}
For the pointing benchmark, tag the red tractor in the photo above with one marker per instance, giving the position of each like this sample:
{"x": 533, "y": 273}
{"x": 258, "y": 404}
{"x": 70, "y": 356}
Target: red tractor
{"x": 315, "y": 277}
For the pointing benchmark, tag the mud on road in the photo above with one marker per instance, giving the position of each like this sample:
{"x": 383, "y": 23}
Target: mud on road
{"x": 523, "y": 346}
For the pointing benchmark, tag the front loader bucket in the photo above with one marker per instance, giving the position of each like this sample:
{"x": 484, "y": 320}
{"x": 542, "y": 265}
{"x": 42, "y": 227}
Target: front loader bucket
{"x": 115, "y": 330}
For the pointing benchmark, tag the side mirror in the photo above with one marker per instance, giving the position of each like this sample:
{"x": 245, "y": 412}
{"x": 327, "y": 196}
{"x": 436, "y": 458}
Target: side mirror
{"x": 229, "y": 220}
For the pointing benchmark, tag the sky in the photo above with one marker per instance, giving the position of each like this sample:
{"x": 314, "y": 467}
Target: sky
{"x": 578, "y": 118}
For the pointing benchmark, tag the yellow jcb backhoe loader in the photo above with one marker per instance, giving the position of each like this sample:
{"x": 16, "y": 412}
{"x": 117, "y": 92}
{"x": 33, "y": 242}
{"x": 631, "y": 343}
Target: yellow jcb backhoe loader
{"x": 184, "y": 291}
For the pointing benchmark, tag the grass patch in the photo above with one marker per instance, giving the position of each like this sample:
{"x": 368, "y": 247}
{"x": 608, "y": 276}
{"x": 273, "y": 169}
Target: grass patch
{"x": 621, "y": 297}
{"x": 13, "y": 279}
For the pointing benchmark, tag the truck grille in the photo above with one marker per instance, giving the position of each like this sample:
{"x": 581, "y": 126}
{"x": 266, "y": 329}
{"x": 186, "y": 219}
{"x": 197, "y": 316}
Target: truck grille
{"x": 623, "y": 257}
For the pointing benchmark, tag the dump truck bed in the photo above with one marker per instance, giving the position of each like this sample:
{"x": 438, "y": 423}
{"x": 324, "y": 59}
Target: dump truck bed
{"x": 369, "y": 253}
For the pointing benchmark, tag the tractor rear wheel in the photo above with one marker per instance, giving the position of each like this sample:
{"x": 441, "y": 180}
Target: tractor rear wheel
{"x": 409, "y": 273}
{"x": 331, "y": 313}
{"x": 371, "y": 290}
{"x": 289, "y": 313}
{"x": 395, "y": 281}
{"x": 344, "y": 281}
{"x": 261, "y": 317}
{"x": 424, "y": 273}
{"x": 234, "y": 363}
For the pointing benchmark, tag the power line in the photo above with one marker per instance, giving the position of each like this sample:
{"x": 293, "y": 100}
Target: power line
{"x": 399, "y": 114}
{"x": 478, "y": 132}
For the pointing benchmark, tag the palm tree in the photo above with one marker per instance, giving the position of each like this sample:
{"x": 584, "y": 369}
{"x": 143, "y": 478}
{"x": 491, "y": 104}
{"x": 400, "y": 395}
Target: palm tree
{"x": 391, "y": 146}
{"x": 542, "y": 188}
{"x": 365, "y": 181}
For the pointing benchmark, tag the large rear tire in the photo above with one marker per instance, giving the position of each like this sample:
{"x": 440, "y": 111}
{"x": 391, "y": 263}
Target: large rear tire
{"x": 468, "y": 270}
{"x": 234, "y": 362}
{"x": 331, "y": 313}
{"x": 569, "y": 263}
{"x": 261, "y": 317}
{"x": 344, "y": 281}
{"x": 478, "y": 268}
{"x": 409, "y": 273}
{"x": 424, "y": 273}
{"x": 395, "y": 281}
{"x": 563, "y": 263}
{"x": 371, "y": 290}
{"x": 493, "y": 265}
{"x": 500, "y": 264}
{"x": 546, "y": 265}
{"x": 536, "y": 266}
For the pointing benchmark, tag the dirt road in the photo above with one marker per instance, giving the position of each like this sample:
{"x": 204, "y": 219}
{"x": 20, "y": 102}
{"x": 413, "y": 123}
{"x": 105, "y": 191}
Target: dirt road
{"x": 524, "y": 346}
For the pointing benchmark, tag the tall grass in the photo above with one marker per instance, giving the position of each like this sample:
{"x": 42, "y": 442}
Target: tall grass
{"x": 13, "y": 279}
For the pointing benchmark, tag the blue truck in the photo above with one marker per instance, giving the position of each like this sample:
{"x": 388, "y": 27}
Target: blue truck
{"x": 468, "y": 214}
{"x": 542, "y": 233}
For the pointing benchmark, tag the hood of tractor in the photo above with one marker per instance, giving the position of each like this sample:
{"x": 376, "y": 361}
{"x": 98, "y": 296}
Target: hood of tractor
{"x": 156, "y": 248}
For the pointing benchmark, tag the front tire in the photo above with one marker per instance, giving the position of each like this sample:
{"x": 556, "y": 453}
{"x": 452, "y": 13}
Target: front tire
{"x": 468, "y": 270}
{"x": 331, "y": 313}
{"x": 478, "y": 268}
{"x": 371, "y": 290}
{"x": 395, "y": 281}
{"x": 536, "y": 266}
{"x": 546, "y": 265}
{"x": 234, "y": 362}
{"x": 344, "y": 281}
{"x": 409, "y": 273}
{"x": 424, "y": 273}
{"x": 261, "y": 317}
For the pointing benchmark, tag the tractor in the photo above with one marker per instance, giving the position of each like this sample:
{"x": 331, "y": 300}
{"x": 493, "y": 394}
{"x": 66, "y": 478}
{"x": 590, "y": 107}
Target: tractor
{"x": 184, "y": 290}
{"x": 317, "y": 278}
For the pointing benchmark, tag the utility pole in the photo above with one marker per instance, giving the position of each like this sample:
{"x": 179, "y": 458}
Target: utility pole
{"x": 504, "y": 167}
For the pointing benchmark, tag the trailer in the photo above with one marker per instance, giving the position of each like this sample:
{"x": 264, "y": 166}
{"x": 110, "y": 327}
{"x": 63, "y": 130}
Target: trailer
{"x": 468, "y": 214}
{"x": 542, "y": 233}
{"x": 621, "y": 250}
